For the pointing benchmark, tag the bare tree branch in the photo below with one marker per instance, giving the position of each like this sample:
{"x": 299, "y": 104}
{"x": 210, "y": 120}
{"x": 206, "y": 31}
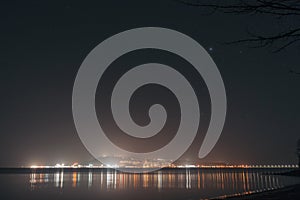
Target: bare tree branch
{"x": 274, "y": 8}
{"x": 291, "y": 37}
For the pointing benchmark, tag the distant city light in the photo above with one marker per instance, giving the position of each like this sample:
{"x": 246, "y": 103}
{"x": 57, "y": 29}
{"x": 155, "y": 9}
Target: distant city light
{"x": 129, "y": 164}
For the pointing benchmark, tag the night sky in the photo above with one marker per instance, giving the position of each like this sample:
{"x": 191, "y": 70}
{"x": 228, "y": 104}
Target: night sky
{"x": 42, "y": 46}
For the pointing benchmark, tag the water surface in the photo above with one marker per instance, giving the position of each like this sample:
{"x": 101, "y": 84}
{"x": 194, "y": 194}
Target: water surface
{"x": 164, "y": 184}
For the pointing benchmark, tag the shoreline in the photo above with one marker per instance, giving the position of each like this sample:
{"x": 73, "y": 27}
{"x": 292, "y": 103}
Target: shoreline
{"x": 12, "y": 170}
{"x": 291, "y": 192}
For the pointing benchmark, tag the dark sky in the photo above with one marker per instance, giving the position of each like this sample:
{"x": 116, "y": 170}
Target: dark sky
{"x": 42, "y": 46}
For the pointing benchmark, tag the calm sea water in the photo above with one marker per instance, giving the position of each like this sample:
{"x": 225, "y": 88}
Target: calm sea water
{"x": 185, "y": 184}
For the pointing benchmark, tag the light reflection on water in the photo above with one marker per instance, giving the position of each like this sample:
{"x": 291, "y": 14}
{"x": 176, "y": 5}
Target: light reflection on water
{"x": 215, "y": 182}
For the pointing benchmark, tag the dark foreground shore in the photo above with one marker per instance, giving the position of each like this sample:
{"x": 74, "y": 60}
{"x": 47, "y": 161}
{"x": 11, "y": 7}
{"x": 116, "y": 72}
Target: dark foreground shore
{"x": 286, "y": 193}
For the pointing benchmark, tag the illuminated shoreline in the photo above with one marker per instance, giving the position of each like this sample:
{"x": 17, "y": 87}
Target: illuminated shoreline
{"x": 167, "y": 167}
